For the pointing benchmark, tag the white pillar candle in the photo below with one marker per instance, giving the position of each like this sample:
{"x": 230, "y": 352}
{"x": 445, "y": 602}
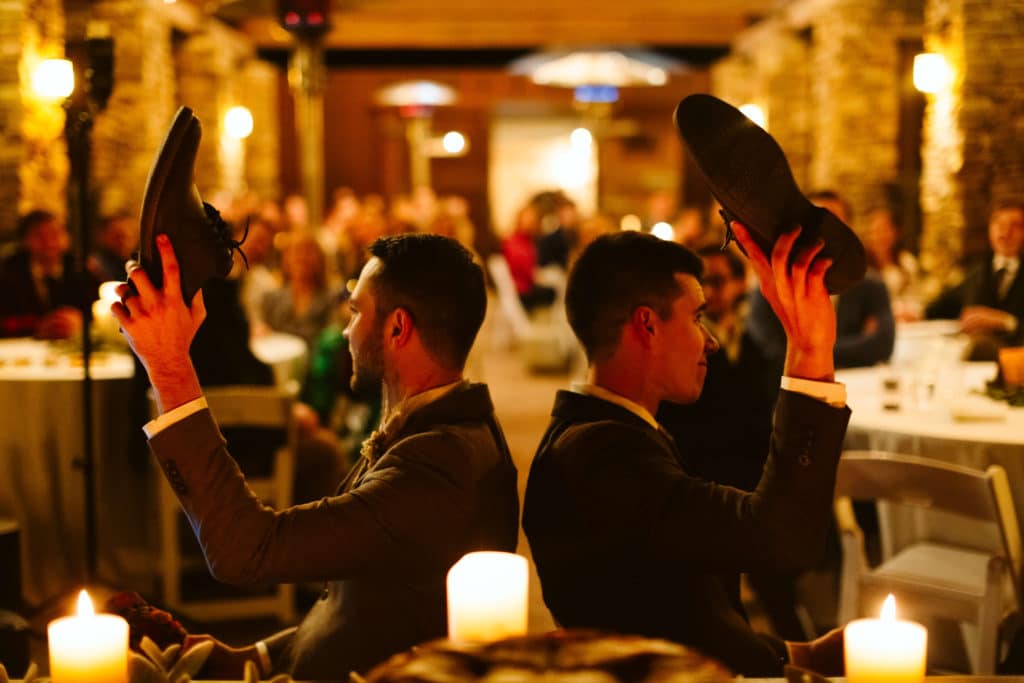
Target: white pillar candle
{"x": 88, "y": 647}
{"x": 888, "y": 650}
{"x": 487, "y": 597}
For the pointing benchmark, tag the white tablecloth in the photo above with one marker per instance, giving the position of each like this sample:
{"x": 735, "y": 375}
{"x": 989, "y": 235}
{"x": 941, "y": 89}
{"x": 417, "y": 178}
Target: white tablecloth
{"x": 40, "y": 440}
{"x": 895, "y": 410}
{"x": 285, "y": 353}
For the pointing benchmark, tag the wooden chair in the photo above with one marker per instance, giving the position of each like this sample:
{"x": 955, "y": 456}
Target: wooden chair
{"x": 545, "y": 338}
{"x": 963, "y": 584}
{"x": 236, "y": 407}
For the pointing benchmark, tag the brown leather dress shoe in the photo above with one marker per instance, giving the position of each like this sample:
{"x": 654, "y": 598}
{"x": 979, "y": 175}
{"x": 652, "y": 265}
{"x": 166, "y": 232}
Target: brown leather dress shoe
{"x": 747, "y": 172}
{"x": 171, "y": 204}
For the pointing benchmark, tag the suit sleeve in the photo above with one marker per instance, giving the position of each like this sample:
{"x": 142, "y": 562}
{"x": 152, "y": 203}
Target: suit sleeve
{"x": 867, "y": 347}
{"x": 407, "y": 510}
{"x": 631, "y": 486}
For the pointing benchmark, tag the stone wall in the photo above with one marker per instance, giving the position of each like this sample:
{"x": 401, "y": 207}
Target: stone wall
{"x": 163, "y": 55}
{"x": 33, "y": 160}
{"x": 826, "y": 74}
{"x": 974, "y": 151}
{"x": 260, "y": 83}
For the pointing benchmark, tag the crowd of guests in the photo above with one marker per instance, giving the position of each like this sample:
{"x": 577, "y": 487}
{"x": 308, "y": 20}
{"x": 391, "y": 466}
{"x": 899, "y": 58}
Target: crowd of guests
{"x": 683, "y": 346}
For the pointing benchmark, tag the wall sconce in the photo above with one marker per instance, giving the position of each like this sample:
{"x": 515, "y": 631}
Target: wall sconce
{"x": 755, "y": 113}
{"x": 53, "y": 79}
{"x": 238, "y": 123}
{"x": 451, "y": 144}
{"x": 932, "y": 73}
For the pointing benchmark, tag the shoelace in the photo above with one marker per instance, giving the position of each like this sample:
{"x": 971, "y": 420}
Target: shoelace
{"x": 222, "y": 232}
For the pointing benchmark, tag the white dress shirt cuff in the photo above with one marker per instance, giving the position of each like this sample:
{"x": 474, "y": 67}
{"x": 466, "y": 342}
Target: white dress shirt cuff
{"x": 264, "y": 654}
{"x": 832, "y": 393}
{"x": 158, "y": 424}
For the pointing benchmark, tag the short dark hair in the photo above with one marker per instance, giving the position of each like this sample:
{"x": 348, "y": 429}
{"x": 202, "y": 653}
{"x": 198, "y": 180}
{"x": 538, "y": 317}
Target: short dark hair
{"x": 614, "y": 275}
{"x": 436, "y": 280}
{"x": 33, "y": 218}
{"x": 1006, "y": 205}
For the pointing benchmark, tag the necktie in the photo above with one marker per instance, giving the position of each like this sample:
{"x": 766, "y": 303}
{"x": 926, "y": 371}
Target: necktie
{"x": 1003, "y": 280}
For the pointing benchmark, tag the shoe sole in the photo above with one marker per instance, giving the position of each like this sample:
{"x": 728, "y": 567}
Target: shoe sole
{"x": 184, "y": 121}
{"x": 734, "y": 181}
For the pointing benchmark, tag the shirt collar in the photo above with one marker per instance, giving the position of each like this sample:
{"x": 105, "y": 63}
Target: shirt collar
{"x": 619, "y": 400}
{"x": 376, "y": 444}
{"x": 1010, "y": 263}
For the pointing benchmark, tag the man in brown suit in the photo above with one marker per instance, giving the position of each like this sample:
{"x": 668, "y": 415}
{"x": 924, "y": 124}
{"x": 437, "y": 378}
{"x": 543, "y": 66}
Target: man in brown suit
{"x": 435, "y": 481}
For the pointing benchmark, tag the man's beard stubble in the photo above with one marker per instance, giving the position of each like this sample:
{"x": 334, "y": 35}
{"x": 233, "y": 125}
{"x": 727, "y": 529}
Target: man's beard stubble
{"x": 368, "y": 372}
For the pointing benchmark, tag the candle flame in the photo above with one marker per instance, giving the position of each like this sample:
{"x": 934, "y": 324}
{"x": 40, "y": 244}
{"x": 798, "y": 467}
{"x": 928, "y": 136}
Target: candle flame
{"x": 889, "y": 608}
{"x": 85, "y": 605}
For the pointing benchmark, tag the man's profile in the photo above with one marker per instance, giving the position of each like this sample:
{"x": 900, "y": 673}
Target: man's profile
{"x": 435, "y": 481}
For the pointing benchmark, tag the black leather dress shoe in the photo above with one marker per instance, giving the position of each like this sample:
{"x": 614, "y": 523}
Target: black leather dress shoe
{"x": 171, "y": 204}
{"x": 748, "y": 174}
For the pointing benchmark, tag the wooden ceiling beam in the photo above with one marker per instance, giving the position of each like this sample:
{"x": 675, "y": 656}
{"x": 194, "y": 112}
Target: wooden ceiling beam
{"x": 373, "y": 31}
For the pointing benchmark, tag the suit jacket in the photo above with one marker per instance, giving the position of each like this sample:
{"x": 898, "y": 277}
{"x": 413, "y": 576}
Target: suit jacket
{"x": 979, "y": 289}
{"x": 726, "y": 430}
{"x": 854, "y": 347}
{"x": 21, "y": 308}
{"x": 441, "y": 486}
{"x": 625, "y": 539}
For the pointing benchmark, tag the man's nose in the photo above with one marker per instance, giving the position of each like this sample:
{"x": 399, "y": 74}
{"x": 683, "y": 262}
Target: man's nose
{"x": 711, "y": 345}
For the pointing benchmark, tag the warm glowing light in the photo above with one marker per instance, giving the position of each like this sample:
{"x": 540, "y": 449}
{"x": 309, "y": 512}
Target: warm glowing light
{"x": 453, "y": 142}
{"x": 108, "y": 293}
{"x": 238, "y": 123}
{"x": 88, "y": 647}
{"x": 487, "y": 597}
{"x": 663, "y": 231}
{"x": 53, "y": 79}
{"x": 885, "y": 650}
{"x": 631, "y": 222}
{"x": 755, "y": 113}
{"x": 889, "y": 608}
{"x": 581, "y": 137}
{"x": 932, "y": 73}
{"x": 85, "y": 605}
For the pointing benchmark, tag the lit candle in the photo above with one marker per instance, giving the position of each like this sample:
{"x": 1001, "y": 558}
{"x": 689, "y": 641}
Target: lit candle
{"x": 886, "y": 649}
{"x": 88, "y": 647}
{"x": 487, "y": 597}
{"x": 104, "y": 322}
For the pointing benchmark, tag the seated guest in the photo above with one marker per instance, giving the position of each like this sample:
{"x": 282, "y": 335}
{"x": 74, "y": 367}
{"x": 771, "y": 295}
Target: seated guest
{"x": 114, "y": 241}
{"x": 256, "y": 276}
{"x": 624, "y": 536}
{"x": 303, "y": 306}
{"x": 435, "y": 481}
{"x": 990, "y": 300}
{"x": 727, "y": 429}
{"x": 42, "y": 296}
{"x": 520, "y": 251}
{"x": 865, "y": 326}
{"x": 896, "y": 266}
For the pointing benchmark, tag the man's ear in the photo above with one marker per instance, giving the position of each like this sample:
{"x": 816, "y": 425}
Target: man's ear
{"x": 398, "y": 328}
{"x": 644, "y": 324}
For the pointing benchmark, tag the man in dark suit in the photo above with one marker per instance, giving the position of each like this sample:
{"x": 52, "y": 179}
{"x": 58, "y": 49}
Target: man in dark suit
{"x": 434, "y": 482}
{"x": 865, "y": 326}
{"x": 625, "y": 538}
{"x": 990, "y": 300}
{"x": 42, "y": 296}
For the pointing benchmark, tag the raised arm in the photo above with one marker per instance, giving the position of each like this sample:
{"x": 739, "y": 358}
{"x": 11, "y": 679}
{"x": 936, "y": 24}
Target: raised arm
{"x": 160, "y": 328}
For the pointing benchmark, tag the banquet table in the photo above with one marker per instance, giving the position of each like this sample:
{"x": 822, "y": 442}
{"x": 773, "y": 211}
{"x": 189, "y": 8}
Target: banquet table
{"x": 40, "y": 442}
{"x": 937, "y": 412}
{"x": 284, "y": 353}
{"x": 42, "y": 487}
